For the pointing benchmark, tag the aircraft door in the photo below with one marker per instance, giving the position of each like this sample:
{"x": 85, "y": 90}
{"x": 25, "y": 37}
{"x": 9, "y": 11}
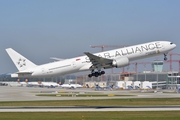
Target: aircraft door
{"x": 73, "y": 64}
{"x": 162, "y": 46}
{"x": 44, "y": 71}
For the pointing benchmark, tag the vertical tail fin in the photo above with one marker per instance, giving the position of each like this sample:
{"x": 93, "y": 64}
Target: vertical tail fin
{"x": 20, "y": 61}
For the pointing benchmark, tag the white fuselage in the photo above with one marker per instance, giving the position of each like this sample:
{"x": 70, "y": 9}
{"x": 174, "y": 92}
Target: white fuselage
{"x": 83, "y": 63}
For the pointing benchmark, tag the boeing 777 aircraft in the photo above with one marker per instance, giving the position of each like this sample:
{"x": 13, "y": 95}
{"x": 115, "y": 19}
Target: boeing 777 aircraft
{"x": 93, "y": 62}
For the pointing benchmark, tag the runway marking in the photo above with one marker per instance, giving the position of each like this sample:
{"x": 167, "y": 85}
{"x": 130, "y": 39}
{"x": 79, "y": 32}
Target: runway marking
{"x": 86, "y": 109}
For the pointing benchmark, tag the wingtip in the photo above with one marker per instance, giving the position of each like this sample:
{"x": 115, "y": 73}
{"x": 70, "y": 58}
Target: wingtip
{"x": 8, "y": 48}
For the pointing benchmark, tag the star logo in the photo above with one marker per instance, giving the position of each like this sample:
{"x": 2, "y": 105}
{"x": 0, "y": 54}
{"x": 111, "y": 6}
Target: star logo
{"x": 21, "y": 62}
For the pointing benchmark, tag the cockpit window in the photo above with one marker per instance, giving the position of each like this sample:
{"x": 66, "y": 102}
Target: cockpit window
{"x": 171, "y": 43}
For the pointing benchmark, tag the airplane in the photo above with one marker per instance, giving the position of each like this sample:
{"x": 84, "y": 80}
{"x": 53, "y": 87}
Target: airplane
{"x": 50, "y": 84}
{"x": 71, "y": 86}
{"x": 96, "y": 63}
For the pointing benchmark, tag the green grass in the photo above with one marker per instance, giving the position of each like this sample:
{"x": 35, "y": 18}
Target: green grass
{"x": 100, "y": 102}
{"x": 139, "y": 115}
{"x": 154, "y": 115}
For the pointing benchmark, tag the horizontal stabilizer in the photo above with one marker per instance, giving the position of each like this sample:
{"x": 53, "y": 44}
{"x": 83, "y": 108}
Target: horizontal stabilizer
{"x": 24, "y": 72}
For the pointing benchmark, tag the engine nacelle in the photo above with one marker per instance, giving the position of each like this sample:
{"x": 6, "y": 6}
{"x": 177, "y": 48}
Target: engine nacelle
{"x": 120, "y": 62}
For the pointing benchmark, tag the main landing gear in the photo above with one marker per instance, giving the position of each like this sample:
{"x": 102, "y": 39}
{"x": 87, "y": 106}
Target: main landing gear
{"x": 96, "y": 74}
{"x": 165, "y": 57}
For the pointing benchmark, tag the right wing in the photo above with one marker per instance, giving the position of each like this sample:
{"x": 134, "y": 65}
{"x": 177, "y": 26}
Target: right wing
{"x": 99, "y": 61}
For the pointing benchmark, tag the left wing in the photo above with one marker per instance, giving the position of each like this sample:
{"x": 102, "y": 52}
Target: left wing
{"x": 57, "y": 59}
{"x": 99, "y": 61}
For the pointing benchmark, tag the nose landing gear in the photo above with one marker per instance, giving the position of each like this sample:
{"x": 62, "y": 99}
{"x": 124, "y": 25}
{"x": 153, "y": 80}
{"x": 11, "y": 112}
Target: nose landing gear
{"x": 165, "y": 57}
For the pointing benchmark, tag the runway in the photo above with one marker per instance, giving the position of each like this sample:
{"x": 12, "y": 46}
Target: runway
{"x": 89, "y": 109}
{"x": 29, "y": 94}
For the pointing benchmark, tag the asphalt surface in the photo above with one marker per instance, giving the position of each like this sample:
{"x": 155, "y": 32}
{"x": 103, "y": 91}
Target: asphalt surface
{"x": 86, "y": 109}
{"x": 29, "y": 93}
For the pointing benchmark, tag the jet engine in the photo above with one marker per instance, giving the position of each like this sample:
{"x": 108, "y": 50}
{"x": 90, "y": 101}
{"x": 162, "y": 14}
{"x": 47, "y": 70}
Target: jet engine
{"x": 120, "y": 62}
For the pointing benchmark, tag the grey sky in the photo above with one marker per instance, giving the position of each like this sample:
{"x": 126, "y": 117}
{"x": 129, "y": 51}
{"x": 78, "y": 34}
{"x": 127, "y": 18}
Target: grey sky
{"x": 40, "y": 29}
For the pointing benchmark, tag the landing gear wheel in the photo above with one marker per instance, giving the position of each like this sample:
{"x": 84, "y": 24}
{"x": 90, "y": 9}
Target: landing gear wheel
{"x": 102, "y": 72}
{"x": 90, "y": 75}
{"x": 96, "y": 74}
{"x": 165, "y": 58}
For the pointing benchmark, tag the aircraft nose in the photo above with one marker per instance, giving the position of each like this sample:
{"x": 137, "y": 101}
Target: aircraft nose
{"x": 173, "y": 45}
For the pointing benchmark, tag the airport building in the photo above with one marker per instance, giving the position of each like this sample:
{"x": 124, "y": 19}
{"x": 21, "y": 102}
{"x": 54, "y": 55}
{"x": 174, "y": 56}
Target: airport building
{"x": 161, "y": 80}
{"x": 157, "y": 66}
{"x": 158, "y": 78}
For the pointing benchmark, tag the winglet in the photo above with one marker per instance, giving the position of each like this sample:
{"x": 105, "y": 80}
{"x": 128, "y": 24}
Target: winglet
{"x": 89, "y": 54}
